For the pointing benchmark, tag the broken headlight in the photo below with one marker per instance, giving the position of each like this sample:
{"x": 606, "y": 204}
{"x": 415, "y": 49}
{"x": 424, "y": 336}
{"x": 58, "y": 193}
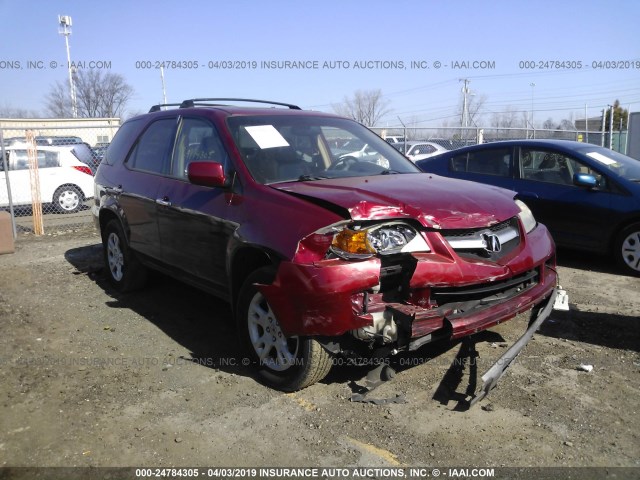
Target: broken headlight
{"x": 526, "y": 217}
{"x": 385, "y": 239}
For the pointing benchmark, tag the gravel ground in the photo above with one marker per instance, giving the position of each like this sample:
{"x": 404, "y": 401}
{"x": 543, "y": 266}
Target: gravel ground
{"x": 89, "y": 377}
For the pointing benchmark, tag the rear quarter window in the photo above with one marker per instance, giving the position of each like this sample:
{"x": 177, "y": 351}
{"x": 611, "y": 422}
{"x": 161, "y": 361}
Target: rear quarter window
{"x": 121, "y": 143}
{"x": 487, "y": 162}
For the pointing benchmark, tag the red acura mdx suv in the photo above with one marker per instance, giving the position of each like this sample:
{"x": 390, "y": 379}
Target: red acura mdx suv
{"x": 321, "y": 253}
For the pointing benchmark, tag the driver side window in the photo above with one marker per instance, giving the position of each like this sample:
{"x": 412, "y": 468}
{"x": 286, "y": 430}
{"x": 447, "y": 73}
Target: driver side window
{"x": 197, "y": 140}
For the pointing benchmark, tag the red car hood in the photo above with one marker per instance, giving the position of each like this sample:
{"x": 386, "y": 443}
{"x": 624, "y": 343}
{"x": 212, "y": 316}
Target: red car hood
{"x": 435, "y": 201}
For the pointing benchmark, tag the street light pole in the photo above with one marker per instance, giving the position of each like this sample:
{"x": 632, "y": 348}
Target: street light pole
{"x": 64, "y": 28}
{"x": 533, "y": 86}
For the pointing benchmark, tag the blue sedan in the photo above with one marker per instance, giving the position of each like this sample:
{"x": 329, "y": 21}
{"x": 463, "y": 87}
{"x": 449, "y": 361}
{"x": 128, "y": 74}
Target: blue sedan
{"x": 586, "y": 195}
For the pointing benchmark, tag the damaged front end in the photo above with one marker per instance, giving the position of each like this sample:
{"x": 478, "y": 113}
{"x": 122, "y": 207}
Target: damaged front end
{"x": 379, "y": 287}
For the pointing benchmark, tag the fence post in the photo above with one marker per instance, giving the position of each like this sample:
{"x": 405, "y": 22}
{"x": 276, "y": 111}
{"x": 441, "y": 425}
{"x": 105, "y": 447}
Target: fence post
{"x": 5, "y": 168}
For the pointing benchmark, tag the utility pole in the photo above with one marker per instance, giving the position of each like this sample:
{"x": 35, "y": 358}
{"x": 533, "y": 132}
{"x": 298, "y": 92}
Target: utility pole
{"x": 164, "y": 91}
{"x": 64, "y": 28}
{"x": 610, "y": 127}
{"x": 533, "y": 86}
{"x": 464, "y": 121}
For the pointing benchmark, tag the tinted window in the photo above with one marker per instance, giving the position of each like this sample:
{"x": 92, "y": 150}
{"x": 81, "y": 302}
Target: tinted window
{"x": 488, "y": 162}
{"x": 152, "y": 153}
{"x": 122, "y": 141}
{"x": 197, "y": 140}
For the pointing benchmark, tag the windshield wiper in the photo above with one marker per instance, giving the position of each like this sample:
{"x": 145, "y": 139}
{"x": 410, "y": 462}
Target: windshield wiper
{"x": 388, "y": 172}
{"x": 309, "y": 178}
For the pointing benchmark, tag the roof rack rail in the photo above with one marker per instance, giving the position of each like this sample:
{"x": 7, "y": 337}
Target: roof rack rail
{"x": 195, "y": 101}
{"x": 157, "y": 108}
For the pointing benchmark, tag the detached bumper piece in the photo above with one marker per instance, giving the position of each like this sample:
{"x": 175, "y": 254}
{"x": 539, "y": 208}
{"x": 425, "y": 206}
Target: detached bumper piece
{"x": 491, "y": 377}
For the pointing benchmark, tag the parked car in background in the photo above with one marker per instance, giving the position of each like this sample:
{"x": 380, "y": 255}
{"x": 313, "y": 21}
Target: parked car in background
{"x": 355, "y": 150}
{"x": 588, "y": 196}
{"x": 318, "y": 256}
{"x": 394, "y": 138}
{"x": 65, "y": 182}
{"x": 417, "y": 150}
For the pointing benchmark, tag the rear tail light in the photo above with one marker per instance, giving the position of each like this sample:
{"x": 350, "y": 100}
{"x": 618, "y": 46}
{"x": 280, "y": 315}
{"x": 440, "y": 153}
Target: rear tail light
{"x": 83, "y": 169}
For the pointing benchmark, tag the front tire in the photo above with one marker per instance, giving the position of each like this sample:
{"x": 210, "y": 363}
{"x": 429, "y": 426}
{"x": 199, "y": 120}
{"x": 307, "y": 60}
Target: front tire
{"x": 284, "y": 363}
{"x": 627, "y": 249}
{"x": 124, "y": 270}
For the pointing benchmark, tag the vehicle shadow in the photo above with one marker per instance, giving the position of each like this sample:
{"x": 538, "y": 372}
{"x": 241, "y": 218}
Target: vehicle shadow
{"x": 603, "y": 329}
{"x": 199, "y": 322}
{"x": 588, "y": 261}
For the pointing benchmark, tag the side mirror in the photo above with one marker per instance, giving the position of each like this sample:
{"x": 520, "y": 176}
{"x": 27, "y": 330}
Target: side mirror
{"x": 207, "y": 174}
{"x": 585, "y": 180}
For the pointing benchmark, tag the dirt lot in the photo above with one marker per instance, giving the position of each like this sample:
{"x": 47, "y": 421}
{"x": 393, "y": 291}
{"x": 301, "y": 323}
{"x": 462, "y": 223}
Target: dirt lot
{"x": 89, "y": 377}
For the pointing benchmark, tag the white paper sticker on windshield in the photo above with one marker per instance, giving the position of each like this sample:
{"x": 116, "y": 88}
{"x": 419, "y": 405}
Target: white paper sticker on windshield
{"x": 266, "y": 136}
{"x": 601, "y": 158}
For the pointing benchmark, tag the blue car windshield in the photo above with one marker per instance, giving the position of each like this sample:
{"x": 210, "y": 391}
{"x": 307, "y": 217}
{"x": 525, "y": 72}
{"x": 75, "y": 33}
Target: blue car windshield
{"x": 621, "y": 165}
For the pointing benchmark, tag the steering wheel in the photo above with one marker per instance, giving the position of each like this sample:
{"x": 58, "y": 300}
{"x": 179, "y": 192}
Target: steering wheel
{"x": 343, "y": 163}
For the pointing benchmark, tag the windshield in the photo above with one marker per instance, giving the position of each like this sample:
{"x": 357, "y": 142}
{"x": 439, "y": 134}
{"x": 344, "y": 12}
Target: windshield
{"x": 621, "y": 165}
{"x": 284, "y": 148}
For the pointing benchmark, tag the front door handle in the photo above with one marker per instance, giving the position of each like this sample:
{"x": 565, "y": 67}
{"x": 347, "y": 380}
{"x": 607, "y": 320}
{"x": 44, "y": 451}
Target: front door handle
{"x": 164, "y": 201}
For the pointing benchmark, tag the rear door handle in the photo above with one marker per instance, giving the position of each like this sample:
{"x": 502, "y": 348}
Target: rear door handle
{"x": 164, "y": 201}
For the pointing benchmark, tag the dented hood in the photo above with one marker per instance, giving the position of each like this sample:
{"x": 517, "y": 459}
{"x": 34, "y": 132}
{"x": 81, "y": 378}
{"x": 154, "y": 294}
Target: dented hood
{"x": 435, "y": 201}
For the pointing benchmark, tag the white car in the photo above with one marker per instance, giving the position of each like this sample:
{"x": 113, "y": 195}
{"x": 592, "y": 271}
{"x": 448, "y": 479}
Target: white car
{"x": 65, "y": 181}
{"x": 416, "y": 150}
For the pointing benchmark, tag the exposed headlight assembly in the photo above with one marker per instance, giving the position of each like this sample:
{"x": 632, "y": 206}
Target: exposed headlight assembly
{"x": 384, "y": 239}
{"x": 526, "y": 217}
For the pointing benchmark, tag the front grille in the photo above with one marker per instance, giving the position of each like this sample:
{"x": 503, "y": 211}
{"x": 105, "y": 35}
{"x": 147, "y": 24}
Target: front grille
{"x": 473, "y": 243}
{"x": 491, "y": 291}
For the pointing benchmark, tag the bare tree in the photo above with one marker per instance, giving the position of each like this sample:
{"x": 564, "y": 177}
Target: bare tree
{"x": 549, "y": 124}
{"x": 366, "y": 107}
{"x": 98, "y": 95}
{"x": 475, "y": 104}
{"x": 7, "y": 111}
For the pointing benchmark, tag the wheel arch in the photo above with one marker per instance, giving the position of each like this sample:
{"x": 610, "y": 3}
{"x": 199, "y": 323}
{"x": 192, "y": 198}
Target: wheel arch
{"x": 246, "y": 260}
{"x": 615, "y": 234}
{"x": 105, "y": 216}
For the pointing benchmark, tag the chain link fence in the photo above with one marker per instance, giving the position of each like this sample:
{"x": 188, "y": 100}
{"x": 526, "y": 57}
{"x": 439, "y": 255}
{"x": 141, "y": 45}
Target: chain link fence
{"x": 46, "y": 175}
{"x": 46, "y": 172}
{"x": 457, "y": 137}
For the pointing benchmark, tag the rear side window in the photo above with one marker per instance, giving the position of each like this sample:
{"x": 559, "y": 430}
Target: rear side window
{"x": 122, "y": 141}
{"x": 152, "y": 153}
{"x": 487, "y": 162}
{"x": 19, "y": 160}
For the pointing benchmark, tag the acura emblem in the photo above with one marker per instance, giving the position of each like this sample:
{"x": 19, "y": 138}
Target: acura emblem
{"x": 491, "y": 242}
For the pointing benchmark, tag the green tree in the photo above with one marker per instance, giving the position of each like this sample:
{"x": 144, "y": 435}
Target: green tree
{"x": 620, "y": 116}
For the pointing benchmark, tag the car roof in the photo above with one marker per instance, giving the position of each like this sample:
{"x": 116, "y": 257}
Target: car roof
{"x": 567, "y": 145}
{"x": 229, "y": 107}
{"x": 234, "y": 110}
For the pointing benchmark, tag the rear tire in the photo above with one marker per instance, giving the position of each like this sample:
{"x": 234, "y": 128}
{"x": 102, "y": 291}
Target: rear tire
{"x": 124, "y": 270}
{"x": 67, "y": 199}
{"x": 627, "y": 249}
{"x": 286, "y": 364}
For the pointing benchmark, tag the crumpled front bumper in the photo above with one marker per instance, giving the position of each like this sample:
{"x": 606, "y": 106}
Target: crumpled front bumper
{"x": 491, "y": 376}
{"x": 325, "y": 298}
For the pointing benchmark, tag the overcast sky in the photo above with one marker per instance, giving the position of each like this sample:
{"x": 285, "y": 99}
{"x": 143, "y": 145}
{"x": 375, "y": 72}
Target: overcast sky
{"x": 416, "y": 52}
